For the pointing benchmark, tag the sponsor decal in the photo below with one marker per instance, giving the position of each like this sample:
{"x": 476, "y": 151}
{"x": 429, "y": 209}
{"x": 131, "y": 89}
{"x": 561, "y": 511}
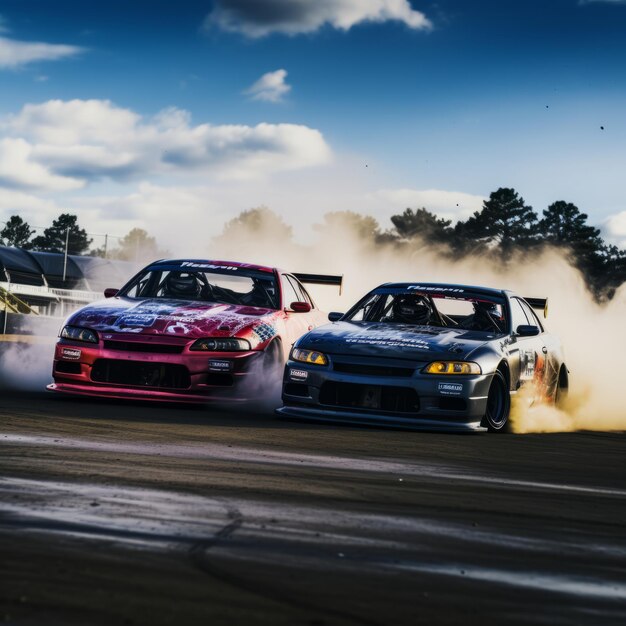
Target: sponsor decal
{"x": 71, "y": 353}
{"x": 264, "y": 331}
{"x": 437, "y": 289}
{"x": 137, "y": 319}
{"x": 450, "y": 389}
{"x": 217, "y": 365}
{"x": 298, "y": 374}
{"x": 208, "y": 266}
{"x": 392, "y": 339}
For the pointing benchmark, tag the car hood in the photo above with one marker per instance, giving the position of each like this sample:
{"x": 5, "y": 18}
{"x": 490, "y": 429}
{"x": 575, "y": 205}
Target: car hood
{"x": 404, "y": 341}
{"x": 190, "y": 319}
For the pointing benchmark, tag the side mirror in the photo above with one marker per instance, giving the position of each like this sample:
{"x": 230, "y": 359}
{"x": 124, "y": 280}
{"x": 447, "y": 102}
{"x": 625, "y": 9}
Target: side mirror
{"x": 334, "y": 316}
{"x": 524, "y": 330}
{"x": 110, "y": 292}
{"x": 300, "y": 307}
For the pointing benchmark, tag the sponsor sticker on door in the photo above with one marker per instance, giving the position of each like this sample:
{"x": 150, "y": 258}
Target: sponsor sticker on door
{"x": 450, "y": 389}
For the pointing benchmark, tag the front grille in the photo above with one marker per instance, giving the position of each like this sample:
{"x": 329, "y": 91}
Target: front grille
{"x": 137, "y": 346}
{"x": 297, "y": 389}
{"x": 369, "y": 398}
{"x": 452, "y": 404}
{"x": 67, "y": 367}
{"x": 372, "y": 370}
{"x": 141, "y": 374}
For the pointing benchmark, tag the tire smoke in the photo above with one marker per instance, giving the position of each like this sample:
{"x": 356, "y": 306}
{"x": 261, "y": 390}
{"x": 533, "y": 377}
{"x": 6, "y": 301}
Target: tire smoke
{"x": 593, "y": 335}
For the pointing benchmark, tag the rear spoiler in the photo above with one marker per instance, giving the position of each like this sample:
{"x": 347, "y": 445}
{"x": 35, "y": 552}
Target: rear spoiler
{"x": 541, "y": 304}
{"x": 321, "y": 279}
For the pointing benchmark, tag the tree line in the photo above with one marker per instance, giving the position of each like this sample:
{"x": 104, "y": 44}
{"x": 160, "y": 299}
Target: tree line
{"x": 505, "y": 225}
{"x": 65, "y": 231}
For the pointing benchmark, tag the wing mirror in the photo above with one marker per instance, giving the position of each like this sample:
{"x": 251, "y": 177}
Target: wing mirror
{"x": 300, "y": 307}
{"x": 524, "y": 330}
{"x": 334, "y": 316}
{"x": 110, "y": 292}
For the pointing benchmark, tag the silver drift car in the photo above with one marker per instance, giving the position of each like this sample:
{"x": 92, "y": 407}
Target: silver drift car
{"x": 427, "y": 356}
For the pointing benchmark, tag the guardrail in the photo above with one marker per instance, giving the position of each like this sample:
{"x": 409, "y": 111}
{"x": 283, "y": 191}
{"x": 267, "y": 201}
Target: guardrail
{"x": 52, "y": 293}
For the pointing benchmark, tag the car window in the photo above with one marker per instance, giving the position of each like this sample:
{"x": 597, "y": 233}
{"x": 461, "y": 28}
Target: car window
{"x": 247, "y": 287}
{"x": 305, "y": 294}
{"x": 297, "y": 288}
{"x": 531, "y": 315}
{"x": 518, "y": 315}
{"x": 289, "y": 293}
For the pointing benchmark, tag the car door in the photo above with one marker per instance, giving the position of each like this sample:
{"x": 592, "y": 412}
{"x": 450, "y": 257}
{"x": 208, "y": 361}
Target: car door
{"x": 527, "y": 367}
{"x": 296, "y": 323}
{"x": 547, "y": 365}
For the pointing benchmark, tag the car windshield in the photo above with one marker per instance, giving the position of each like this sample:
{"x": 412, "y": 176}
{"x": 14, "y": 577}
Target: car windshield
{"x": 225, "y": 286}
{"x": 467, "y": 311}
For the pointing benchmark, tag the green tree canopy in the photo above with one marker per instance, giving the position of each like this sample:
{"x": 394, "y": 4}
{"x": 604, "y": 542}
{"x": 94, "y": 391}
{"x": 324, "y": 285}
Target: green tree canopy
{"x": 505, "y": 220}
{"x": 564, "y": 224}
{"x": 54, "y": 237}
{"x": 16, "y": 233}
{"x": 422, "y": 223}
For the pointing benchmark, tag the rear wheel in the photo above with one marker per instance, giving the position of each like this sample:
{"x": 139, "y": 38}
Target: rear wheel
{"x": 498, "y": 404}
{"x": 562, "y": 388}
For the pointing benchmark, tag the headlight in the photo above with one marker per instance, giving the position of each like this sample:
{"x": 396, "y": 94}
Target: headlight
{"x": 221, "y": 344}
{"x": 309, "y": 356}
{"x": 76, "y": 333}
{"x": 452, "y": 367}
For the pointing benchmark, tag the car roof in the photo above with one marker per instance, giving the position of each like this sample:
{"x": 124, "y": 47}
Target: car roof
{"x": 449, "y": 287}
{"x": 202, "y": 263}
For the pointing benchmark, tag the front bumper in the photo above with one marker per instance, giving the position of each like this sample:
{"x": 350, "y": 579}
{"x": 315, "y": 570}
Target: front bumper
{"x": 394, "y": 394}
{"x": 182, "y": 376}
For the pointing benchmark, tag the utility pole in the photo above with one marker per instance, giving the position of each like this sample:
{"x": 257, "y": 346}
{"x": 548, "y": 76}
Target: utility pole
{"x": 67, "y": 243}
{"x": 106, "y": 241}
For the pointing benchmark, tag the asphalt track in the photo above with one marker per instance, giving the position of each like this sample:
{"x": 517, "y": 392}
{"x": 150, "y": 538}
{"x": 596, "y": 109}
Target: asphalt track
{"x": 118, "y": 513}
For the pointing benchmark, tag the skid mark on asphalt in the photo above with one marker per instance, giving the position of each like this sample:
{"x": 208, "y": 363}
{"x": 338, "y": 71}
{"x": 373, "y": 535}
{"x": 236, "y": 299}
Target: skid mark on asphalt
{"x": 554, "y": 583}
{"x": 160, "y": 518}
{"x": 252, "y": 455}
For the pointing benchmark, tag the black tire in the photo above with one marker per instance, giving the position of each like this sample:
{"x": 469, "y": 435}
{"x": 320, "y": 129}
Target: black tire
{"x": 498, "y": 405}
{"x": 562, "y": 389}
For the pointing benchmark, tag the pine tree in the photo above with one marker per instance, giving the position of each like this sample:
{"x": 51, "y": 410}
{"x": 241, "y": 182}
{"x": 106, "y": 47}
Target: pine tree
{"x": 54, "y": 237}
{"x": 16, "y": 233}
{"x": 505, "y": 221}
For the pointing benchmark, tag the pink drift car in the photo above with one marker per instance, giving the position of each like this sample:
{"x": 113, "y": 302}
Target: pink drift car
{"x": 187, "y": 330}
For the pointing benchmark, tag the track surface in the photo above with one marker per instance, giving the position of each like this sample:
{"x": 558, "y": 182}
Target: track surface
{"x": 114, "y": 513}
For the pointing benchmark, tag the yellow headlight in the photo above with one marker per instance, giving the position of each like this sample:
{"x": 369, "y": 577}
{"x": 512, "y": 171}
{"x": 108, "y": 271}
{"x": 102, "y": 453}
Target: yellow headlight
{"x": 452, "y": 367}
{"x": 309, "y": 356}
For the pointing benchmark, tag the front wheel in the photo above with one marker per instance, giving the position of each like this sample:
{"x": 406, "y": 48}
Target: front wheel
{"x": 498, "y": 405}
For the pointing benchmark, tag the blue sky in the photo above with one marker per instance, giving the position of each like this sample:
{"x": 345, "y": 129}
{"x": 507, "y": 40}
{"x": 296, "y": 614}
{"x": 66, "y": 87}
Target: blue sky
{"x": 368, "y": 105}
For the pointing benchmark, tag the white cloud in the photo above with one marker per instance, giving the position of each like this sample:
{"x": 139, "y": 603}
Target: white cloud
{"x": 65, "y": 144}
{"x": 258, "y": 18}
{"x": 19, "y": 170}
{"x": 271, "y": 87}
{"x": 451, "y": 205}
{"x": 14, "y": 53}
{"x": 19, "y": 203}
{"x": 614, "y": 228}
